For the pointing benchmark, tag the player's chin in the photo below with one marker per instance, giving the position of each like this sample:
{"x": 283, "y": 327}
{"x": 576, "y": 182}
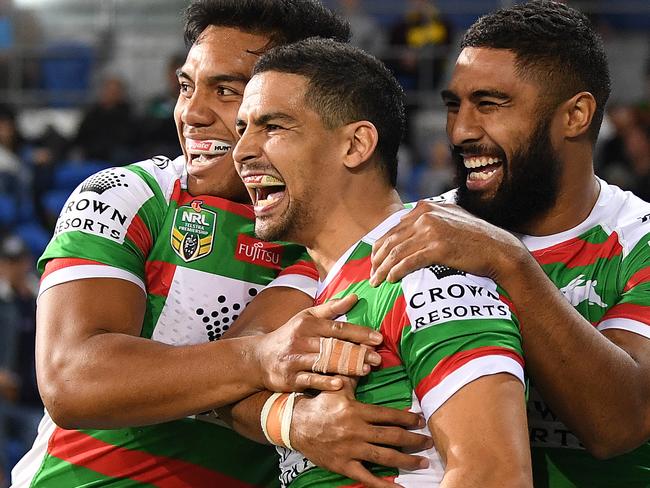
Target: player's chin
{"x": 269, "y": 228}
{"x": 206, "y": 166}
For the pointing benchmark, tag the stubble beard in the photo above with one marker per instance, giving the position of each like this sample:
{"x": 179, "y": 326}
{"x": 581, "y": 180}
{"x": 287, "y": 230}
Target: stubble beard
{"x": 287, "y": 227}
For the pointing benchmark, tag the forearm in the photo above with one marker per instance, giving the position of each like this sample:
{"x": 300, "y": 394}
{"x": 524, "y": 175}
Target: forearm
{"x": 481, "y": 435}
{"x": 116, "y": 380}
{"x": 597, "y": 388}
{"x": 244, "y": 416}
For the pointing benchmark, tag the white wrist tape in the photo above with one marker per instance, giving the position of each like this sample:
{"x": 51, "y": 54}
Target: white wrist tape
{"x": 276, "y": 416}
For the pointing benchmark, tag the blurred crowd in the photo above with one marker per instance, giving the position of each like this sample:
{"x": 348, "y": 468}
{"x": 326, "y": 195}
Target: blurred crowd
{"x": 38, "y": 173}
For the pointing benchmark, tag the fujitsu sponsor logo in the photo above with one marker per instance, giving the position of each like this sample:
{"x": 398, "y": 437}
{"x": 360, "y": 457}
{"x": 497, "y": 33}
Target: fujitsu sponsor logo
{"x": 258, "y": 252}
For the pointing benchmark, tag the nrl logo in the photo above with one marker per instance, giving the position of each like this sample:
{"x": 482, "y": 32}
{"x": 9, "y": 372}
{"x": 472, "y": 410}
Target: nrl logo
{"x": 193, "y": 231}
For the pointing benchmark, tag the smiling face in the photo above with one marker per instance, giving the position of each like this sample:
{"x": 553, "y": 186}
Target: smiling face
{"x": 286, "y": 157}
{"x": 508, "y": 171}
{"x": 212, "y": 82}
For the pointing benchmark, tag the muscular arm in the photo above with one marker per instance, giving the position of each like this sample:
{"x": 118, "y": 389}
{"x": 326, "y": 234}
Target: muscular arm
{"x": 481, "y": 435}
{"x": 94, "y": 370}
{"x": 598, "y": 384}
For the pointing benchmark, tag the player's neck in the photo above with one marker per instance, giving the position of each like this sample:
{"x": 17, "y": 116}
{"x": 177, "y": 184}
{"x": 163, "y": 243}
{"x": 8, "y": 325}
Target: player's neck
{"x": 575, "y": 201}
{"x": 353, "y": 216}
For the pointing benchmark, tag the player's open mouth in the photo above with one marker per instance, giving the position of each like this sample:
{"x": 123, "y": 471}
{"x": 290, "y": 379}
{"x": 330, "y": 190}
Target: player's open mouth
{"x": 206, "y": 152}
{"x": 265, "y": 190}
{"x": 482, "y": 170}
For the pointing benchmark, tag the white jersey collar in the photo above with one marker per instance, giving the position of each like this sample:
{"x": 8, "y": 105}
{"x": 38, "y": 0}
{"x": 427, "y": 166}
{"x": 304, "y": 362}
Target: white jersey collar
{"x": 597, "y": 215}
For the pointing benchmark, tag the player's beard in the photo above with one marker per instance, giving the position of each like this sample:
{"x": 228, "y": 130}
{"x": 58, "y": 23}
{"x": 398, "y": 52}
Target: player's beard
{"x": 528, "y": 189}
{"x": 289, "y": 226}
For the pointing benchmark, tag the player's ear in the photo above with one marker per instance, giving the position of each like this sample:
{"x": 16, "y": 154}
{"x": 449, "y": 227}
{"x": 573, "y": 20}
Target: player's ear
{"x": 577, "y": 114}
{"x": 362, "y": 138}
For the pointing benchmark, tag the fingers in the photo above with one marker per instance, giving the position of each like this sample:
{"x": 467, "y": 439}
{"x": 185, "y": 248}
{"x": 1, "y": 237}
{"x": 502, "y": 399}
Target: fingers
{"x": 398, "y": 437}
{"x": 312, "y": 381}
{"x": 345, "y": 331}
{"x": 374, "y": 414}
{"x": 398, "y": 253}
{"x": 334, "y": 308}
{"x": 385, "y": 456}
{"x": 357, "y": 472}
{"x": 408, "y": 264}
{"x": 382, "y": 248}
{"x": 336, "y": 356}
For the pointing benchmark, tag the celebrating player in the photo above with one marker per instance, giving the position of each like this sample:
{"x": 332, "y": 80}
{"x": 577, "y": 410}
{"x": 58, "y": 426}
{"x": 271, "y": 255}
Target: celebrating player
{"x": 524, "y": 107}
{"x": 151, "y": 263}
{"x": 323, "y": 121}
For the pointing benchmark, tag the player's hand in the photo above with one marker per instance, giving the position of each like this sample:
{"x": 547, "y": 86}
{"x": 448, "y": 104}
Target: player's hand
{"x": 441, "y": 233}
{"x": 352, "y": 433}
{"x": 286, "y": 356}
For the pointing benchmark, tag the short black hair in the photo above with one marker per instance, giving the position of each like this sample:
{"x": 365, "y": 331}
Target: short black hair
{"x": 554, "y": 45}
{"x": 284, "y": 21}
{"x": 346, "y": 84}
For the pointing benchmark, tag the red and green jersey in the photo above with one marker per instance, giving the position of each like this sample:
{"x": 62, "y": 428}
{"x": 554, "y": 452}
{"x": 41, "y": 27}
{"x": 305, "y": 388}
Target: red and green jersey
{"x": 199, "y": 264}
{"x": 442, "y": 329}
{"x": 602, "y": 267}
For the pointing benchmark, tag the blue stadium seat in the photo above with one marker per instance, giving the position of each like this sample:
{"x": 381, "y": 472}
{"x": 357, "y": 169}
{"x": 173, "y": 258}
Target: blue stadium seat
{"x": 54, "y": 200}
{"x": 66, "y": 69}
{"x": 7, "y": 210}
{"x": 69, "y": 174}
{"x": 34, "y": 236}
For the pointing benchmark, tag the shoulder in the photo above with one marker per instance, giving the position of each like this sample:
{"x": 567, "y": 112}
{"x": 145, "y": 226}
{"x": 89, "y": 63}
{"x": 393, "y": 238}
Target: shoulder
{"x": 629, "y": 217}
{"x": 106, "y": 203}
{"x": 160, "y": 172}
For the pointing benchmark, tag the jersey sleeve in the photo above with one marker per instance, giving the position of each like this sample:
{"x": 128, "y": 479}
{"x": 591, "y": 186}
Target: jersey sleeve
{"x": 107, "y": 226}
{"x": 456, "y": 328}
{"x": 631, "y": 311}
{"x": 301, "y": 275}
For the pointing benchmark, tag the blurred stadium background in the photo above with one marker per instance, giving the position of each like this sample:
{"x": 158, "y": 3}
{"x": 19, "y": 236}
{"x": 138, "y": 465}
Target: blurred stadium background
{"x": 86, "y": 84}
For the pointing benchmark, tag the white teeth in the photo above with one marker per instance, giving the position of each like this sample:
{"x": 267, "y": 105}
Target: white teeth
{"x": 211, "y": 147}
{"x": 481, "y": 175}
{"x": 260, "y": 181}
{"x": 479, "y": 161}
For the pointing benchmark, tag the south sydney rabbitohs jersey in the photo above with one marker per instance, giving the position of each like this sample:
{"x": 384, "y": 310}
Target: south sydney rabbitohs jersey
{"x": 442, "y": 329}
{"x": 602, "y": 267}
{"x": 199, "y": 264}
